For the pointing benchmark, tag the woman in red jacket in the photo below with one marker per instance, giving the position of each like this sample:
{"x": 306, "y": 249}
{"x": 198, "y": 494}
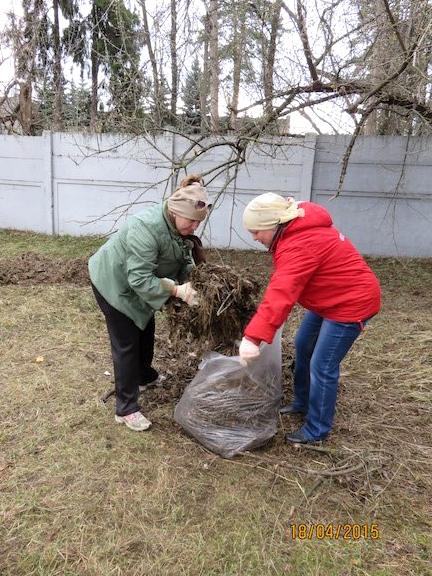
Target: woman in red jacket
{"x": 316, "y": 266}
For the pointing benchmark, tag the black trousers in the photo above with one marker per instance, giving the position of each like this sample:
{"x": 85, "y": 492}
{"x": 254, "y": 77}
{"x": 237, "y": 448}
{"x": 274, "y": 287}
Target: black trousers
{"x": 132, "y": 353}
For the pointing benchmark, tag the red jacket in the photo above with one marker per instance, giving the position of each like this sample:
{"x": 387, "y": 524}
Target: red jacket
{"x": 316, "y": 266}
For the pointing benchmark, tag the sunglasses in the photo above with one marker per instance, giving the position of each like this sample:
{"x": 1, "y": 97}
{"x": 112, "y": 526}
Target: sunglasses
{"x": 200, "y": 204}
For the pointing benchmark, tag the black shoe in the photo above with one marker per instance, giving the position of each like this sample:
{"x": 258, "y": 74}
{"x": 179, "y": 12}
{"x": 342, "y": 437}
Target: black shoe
{"x": 299, "y": 438}
{"x": 289, "y": 409}
{"x": 148, "y": 376}
{"x": 156, "y": 383}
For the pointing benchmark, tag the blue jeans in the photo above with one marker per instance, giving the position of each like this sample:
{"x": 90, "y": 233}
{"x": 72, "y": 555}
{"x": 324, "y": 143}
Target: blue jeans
{"x": 320, "y": 346}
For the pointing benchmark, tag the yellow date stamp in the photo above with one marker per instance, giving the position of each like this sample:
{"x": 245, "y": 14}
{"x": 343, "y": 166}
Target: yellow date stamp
{"x": 333, "y": 532}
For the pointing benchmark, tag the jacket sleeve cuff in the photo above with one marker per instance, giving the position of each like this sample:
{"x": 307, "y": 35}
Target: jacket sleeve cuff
{"x": 254, "y": 340}
{"x": 167, "y": 284}
{"x": 259, "y": 330}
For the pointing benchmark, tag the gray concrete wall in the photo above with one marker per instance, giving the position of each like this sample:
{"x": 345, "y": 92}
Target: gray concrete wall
{"x": 79, "y": 184}
{"x": 386, "y": 203}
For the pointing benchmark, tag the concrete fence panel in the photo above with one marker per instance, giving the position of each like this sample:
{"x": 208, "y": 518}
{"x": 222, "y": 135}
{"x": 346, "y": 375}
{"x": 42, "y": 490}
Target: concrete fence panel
{"x": 385, "y": 205}
{"x": 25, "y": 183}
{"x": 88, "y": 184}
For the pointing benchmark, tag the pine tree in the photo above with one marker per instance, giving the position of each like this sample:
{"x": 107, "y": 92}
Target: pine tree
{"x": 77, "y": 107}
{"x": 191, "y": 95}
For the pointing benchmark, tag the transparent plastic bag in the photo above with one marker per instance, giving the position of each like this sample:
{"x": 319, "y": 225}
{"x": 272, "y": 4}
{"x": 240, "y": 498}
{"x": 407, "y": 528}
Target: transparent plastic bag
{"x": 229, "y": 408}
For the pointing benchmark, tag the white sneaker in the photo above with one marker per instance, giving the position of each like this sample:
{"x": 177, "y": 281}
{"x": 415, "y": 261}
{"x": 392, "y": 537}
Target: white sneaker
{"x": 158, "y": 382}
{"x": 135, "y": 421}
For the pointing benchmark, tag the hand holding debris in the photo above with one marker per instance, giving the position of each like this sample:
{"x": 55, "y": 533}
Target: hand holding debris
{"x": 186, "y": 293}
{"x": 226, "y": 301}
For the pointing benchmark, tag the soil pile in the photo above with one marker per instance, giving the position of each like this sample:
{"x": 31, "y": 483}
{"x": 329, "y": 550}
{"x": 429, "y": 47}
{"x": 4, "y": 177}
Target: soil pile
{"x": 31, "y": 268}
{"x": 227, "y": 300}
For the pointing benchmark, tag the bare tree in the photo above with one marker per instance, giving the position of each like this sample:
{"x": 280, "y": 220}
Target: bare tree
{"x": 269, "y": 52}
{"x": 26, "y": 37}
{"x": 57, "y": 70}
{"x": 392, "y": 29}
{"x": 368, "y": 61}
{"x": 213, "y": 15}
{"x": 174, "y": 64}
{"x": 204, "y": 85}
{"x": 95, "y": 17}
{"x": 153, "y": 63}
{"x": 239, "y": 33}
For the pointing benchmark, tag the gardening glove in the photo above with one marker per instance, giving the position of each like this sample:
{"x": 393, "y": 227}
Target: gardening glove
{"x": 248, "y": 351}
{"x": 186, "y": 293}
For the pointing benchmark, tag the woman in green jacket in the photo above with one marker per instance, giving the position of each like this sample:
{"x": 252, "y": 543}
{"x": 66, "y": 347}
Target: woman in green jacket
{"x": 133, "y": 274}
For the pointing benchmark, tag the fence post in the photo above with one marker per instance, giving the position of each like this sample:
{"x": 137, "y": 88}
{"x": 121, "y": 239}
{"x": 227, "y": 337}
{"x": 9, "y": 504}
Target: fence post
{"x": 49, "y": 179}
{"x": 309, "y": 146}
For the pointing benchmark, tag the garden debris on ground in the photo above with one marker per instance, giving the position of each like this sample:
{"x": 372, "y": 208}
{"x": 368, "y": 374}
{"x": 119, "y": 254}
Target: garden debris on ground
{"x": 227, "y": 300}
{"x": 375, "y": 467}
{"x": 32, "y": 268}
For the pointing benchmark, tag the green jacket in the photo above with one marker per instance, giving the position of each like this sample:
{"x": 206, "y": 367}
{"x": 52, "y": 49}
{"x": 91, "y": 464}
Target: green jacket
{"x": 127, "y": 268}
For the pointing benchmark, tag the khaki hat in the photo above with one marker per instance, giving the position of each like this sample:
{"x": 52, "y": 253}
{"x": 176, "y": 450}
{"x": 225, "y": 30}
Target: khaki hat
{"x": 190, "y": 202}
{"x": 268, "y": 210}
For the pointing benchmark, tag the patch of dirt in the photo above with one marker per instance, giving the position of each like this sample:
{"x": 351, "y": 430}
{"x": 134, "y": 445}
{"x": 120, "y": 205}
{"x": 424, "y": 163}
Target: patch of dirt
{"x": 31, "y": 268}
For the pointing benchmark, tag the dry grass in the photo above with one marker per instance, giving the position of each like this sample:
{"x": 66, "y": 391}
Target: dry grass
{"x": 82, "y": 496}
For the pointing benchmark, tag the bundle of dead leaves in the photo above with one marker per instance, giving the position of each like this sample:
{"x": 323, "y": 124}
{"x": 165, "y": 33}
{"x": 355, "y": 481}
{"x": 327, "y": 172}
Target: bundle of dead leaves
{"x": 227, "y": 300}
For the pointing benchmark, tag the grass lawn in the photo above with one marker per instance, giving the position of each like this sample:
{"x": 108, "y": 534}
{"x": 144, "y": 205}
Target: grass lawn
{"x": 83, "y": 496}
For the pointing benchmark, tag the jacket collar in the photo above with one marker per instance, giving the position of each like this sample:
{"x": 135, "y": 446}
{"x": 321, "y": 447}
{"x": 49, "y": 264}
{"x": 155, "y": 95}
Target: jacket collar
{"x": 277, "y": 235}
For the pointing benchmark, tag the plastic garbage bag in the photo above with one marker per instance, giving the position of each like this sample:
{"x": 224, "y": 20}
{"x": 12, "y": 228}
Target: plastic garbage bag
{"x": 229, "y": 408}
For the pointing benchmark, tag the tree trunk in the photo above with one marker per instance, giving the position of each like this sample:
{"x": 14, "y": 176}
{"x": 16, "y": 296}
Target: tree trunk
{"x": 421, "y": 58}
{"x": 214, "y": 66}
{"x": 152, "y": 57}
{"x": 375, "y": 12}
{"x": 94, "y": 70}
{"x": 239, "y": 26}
{"x": 57, "y": 71}
{"x": 25, "y": 115}
{"x": 26, "y": 64}
{"x": 204, "y": 85}
{"x": 269, "y": 59}
{"x": 174, "y": 64}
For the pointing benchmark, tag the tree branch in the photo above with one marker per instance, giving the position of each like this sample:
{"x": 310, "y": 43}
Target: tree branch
{"x": 305, "y": 40}
{"x": 395, "y": 26}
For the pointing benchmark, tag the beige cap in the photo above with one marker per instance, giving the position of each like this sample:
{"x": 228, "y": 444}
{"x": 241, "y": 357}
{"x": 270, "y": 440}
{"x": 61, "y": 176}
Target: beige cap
{"x": 268, "y": 210}
{"x": 190, "y": 202}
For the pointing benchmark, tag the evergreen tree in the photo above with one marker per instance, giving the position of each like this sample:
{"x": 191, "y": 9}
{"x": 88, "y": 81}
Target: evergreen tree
{"x": 77, "y": 107}
{"x": 109, "y": 36}
{"x": 117, "y": 45}
{"x": 191, "y": 95}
